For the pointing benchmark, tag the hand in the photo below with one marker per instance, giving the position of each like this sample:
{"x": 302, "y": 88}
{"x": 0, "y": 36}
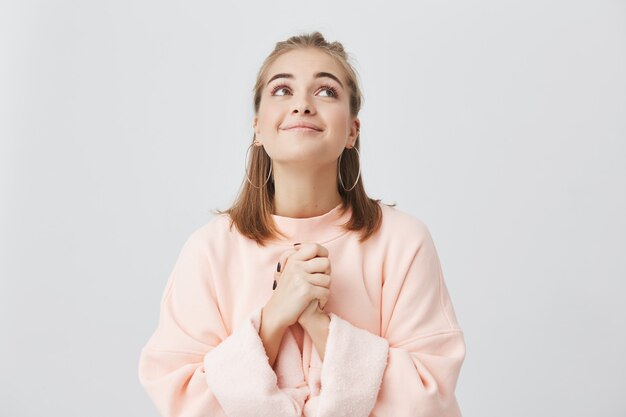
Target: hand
{"x": 313, "y": 310}
{"x": 310, "y": 313}
{"x": 302, "y": 281}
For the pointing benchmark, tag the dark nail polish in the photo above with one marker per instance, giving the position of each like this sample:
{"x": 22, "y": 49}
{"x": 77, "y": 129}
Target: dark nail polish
{"x": 274, "y": 287}
{"x": 296, "y": 244}
{"x": 278, "y": 267}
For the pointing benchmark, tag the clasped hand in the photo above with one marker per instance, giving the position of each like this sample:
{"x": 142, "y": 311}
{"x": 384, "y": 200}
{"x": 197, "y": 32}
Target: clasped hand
{"x": 303, "y": 284}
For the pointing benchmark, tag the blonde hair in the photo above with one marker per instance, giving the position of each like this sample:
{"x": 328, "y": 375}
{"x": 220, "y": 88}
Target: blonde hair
{"x": 253, "y": 207}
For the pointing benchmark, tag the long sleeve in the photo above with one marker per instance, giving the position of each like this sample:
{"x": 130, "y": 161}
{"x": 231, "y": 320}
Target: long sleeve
{"x": 191, "y": 367}
{"x": 412, "y": 369}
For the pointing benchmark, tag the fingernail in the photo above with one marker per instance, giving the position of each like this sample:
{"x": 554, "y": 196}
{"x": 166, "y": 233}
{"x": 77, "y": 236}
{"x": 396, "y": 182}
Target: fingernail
{"x": 278, "y": 267}
{"x": 296, "y": 244}
{"x": 274, "y": 286}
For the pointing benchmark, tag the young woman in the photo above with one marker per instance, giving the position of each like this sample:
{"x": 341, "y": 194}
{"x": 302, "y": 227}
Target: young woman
{"x": 306, "y": 297}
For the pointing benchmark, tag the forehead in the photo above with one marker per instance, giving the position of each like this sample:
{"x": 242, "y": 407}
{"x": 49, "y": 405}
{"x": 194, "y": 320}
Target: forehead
{"x": 305, "y": 62}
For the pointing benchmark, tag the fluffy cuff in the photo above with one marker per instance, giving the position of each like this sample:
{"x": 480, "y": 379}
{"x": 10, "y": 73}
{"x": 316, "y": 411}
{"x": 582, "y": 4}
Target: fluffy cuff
{"x": 239, "y": 374}
{"x": 352, "y": 370}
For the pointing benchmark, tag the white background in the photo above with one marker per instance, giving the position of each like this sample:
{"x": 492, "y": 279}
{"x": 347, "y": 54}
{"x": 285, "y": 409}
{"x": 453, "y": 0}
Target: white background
{"x": 500, "y": 124}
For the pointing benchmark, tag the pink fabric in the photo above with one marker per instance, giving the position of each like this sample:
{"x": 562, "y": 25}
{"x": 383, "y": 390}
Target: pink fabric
{"x": 394, "y": 347}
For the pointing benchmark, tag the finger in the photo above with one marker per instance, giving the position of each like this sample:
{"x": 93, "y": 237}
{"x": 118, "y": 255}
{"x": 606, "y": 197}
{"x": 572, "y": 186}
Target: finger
{"x": 317, "y": 264}
{"x": 282, "y": 261}
{"x": 319, "y": 280}
{"x": 309, "y": 250}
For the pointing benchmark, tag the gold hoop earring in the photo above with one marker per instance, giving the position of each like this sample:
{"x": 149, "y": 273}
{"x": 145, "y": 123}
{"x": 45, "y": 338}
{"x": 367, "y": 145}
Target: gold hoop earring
{"x": 246, "y": 168}
{"x": 339, "y": 169}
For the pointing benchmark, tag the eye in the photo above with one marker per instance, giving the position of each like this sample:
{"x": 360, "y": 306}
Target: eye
{"x": 278, "y": 88}
{"x": 332, "y": 90}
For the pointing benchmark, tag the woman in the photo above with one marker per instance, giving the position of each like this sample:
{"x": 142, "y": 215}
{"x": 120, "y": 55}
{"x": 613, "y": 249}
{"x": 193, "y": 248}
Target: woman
{"x": 250, "y": 323}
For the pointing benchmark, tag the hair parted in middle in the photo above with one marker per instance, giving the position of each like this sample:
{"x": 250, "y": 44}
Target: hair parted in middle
{"x": 252, "y": 210}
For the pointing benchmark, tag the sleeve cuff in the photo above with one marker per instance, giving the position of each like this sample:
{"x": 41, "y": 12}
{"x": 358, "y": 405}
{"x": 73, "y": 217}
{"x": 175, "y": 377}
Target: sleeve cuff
{"x": 352, "y": 370}
{"x": 239, "y": 374}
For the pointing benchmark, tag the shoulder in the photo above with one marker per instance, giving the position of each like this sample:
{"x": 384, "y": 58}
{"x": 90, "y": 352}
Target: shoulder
{"x": 402, "y": 224}
{"x": 216, "y": 231}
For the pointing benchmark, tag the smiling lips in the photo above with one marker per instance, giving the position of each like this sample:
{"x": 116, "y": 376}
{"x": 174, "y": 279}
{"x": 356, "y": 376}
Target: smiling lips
{"x": 302, "y": 127}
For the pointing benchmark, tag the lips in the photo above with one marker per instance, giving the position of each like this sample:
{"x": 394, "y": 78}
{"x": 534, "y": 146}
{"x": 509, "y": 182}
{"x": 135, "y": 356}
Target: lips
{"x": 302, "y": 126}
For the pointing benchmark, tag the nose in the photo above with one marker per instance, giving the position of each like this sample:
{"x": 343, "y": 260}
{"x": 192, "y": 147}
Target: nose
{"x": 301, "y": 107}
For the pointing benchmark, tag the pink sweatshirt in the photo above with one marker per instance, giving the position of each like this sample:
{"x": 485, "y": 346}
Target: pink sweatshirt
{"x": 394, "y": 347}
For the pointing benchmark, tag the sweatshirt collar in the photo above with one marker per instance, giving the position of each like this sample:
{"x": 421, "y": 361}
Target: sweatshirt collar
{"x": 317, "y": 229}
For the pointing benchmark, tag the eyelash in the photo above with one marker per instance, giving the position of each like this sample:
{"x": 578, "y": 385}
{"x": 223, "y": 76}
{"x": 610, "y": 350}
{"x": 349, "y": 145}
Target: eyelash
{"x": 325, "y": 87}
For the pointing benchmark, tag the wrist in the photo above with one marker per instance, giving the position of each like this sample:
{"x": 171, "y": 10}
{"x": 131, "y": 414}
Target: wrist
{"x": 270, "y": 324}
{"x": 316, "y": 319}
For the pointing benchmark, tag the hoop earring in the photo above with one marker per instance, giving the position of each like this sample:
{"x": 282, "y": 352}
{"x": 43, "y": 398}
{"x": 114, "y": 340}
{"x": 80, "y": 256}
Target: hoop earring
{"x": 339, "y": 169}
{"x": 246, "y": 169}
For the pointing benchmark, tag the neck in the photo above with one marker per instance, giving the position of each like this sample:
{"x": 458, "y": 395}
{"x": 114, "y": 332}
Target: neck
{"x": 302, "y": 194}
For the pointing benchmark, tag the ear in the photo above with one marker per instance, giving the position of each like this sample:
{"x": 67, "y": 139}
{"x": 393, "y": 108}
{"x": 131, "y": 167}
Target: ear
{"x": 255, "y": 124}
{"x": 354, "y": 131}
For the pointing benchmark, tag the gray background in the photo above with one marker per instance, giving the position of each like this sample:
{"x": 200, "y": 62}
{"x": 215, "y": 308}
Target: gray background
{"x": 500, "y": 124}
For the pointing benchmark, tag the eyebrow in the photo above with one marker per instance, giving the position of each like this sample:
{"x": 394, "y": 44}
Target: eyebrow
{"x": 317, "y": 75}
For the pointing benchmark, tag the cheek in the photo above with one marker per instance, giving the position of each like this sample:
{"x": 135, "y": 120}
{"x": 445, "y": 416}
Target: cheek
{"x": 269, "y": 117}
{"x": 339, "y": 119}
